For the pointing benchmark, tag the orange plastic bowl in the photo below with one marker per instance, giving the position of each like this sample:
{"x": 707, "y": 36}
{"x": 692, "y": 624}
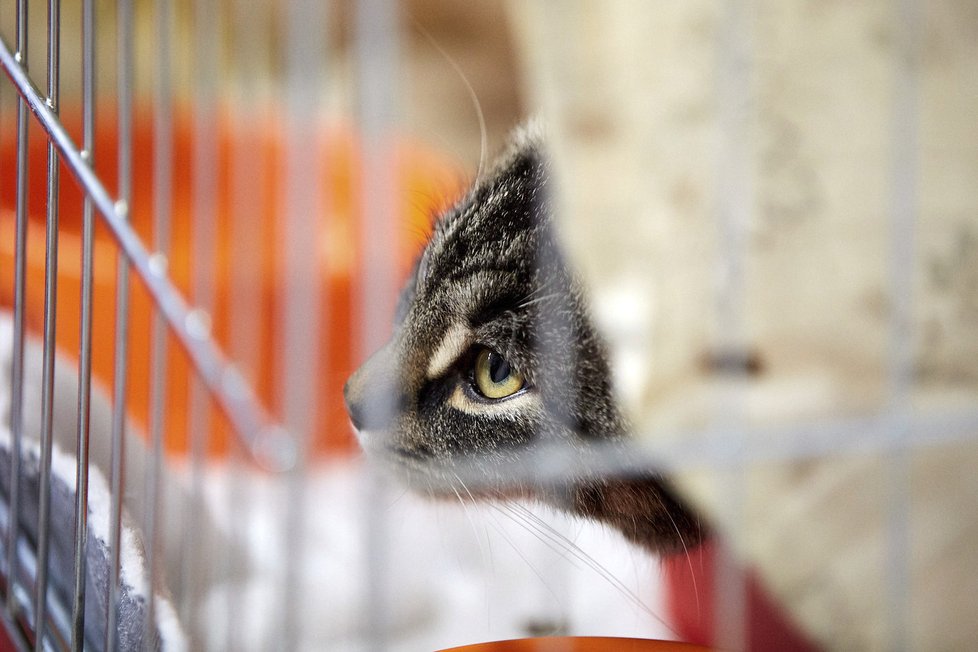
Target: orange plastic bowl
{"x": 426, "y": 182}
{"x": 580, "y": 644}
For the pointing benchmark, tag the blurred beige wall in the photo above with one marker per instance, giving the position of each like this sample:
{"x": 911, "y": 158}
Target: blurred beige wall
{"x": 694, "y": 139}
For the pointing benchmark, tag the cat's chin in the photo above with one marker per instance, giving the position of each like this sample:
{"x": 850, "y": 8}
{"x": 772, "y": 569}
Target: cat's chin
{"x": 440, "y": 478}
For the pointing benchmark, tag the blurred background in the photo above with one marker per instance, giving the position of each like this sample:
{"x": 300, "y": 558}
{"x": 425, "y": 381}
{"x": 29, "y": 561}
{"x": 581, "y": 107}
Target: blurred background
{"x": 771, "y": 204}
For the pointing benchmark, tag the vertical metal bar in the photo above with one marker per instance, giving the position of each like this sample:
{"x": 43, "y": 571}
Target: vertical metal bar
{"x": 162, "y": 200}
{"x": 248, "y": 163}
{"x": 377, "y": 46}
{"x": 734, "y": 176}
{"x": 733, "y": 209}
{"x": 903, "y": 201}
{"x": 85, "y": 339}
{"x": 205, "y": 164}
{"x": 903, "y": 213}
{"x": 302, "y": 209}
{"x": 299, "y": 257}
{"x": 50, "y": 314}
{"x": 17, "y": 366}
{"x": 377, "y": 52}
{"x": 552, "y": 459}
{"x": 249, "y": 25}
{"x": 124, "y": 74}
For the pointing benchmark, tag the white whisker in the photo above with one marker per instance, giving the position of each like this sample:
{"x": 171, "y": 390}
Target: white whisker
{"x": 519, "y": 552}
{"x": 476, "y": 104}
{"x": 540, "y": 299}
{"x": 564, "y": 545}
{"x": 486, "y": 554}
{"x": 682, "y": 540}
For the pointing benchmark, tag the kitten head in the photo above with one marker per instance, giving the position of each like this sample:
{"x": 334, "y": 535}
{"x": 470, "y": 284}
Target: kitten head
{"x": 493, "y": 354}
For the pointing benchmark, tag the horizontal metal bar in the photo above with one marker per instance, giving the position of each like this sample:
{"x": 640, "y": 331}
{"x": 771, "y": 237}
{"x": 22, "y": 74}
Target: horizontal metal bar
{"x": 269, "y": 444}
{"x": 711, "y": 448}
{"x": 867, "y": 435}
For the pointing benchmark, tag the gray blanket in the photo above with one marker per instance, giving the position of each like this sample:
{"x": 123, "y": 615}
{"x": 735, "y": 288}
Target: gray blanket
{"x": 134, "y": 578}
{"x": 132, "y": 602}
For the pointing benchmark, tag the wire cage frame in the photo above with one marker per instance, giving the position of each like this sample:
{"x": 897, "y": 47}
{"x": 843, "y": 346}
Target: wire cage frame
{"x": 224, "y": 358}
{"x": 35, "y": 616}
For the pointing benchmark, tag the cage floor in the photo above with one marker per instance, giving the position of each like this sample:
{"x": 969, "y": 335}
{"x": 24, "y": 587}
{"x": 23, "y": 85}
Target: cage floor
{"x": 453, "y": 575}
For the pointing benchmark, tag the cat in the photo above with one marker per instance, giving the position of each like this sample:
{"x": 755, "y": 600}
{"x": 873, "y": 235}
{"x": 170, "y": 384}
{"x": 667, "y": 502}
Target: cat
{"x": 494, "y": 355}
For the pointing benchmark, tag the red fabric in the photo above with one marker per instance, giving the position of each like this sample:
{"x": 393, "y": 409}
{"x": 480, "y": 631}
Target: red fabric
{"x": 6, "y": 645}
{"x": 767, "y": 626}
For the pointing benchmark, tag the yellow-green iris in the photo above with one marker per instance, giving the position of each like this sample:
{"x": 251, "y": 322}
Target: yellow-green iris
{"x": 494, "y": 377}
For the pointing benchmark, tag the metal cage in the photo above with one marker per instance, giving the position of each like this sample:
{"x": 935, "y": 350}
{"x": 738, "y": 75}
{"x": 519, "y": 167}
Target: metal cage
{"x": 163, "y": 426}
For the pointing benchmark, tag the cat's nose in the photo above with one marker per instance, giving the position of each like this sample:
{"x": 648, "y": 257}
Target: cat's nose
{"x": 352, "y": 396}
{"x": 373, "y": 394}
{"x": 368, "y": 408}
{"x": 352, "y": 407}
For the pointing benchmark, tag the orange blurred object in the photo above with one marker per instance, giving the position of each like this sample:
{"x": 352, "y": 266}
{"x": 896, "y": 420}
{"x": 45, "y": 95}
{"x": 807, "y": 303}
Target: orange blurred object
{"x": 427, "y": 183}
{"x": 580, "y": 644}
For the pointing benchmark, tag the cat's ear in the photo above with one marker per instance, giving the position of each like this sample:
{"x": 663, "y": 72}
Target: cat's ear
{"x": 514, "y": 197}
{"x": 527, "y": 153}
{"x": 531, "y": 135}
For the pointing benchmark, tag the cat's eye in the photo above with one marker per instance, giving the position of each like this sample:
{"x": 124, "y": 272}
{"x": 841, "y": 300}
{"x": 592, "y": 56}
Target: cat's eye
{"x": 494, "y": 377}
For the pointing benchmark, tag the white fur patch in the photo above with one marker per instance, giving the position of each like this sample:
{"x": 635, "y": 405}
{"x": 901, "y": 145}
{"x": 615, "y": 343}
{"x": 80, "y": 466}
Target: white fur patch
{"x": 453, "y": 344}
{"x": 517, "y": 405}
